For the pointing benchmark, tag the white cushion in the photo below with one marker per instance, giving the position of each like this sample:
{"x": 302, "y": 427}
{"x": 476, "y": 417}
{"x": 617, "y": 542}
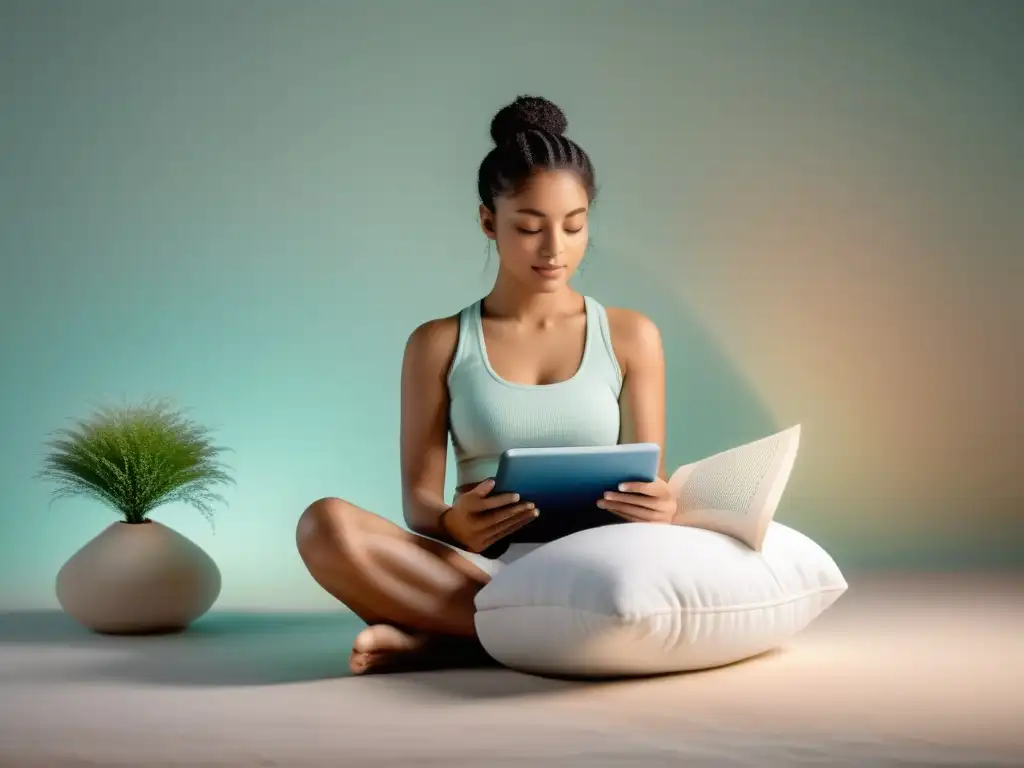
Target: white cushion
{"x": 648, "y": 598}
{"x": 737, "y": 491}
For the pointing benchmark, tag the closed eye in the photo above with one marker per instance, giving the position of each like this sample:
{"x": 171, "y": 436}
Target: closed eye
{"x": 538, "y": 231}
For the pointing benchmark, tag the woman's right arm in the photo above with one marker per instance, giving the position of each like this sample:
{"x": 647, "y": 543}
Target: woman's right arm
{"x": 424, "y": 436}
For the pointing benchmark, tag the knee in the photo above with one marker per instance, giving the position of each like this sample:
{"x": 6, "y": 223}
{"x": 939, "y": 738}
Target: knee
{"x": 326, "y": 527}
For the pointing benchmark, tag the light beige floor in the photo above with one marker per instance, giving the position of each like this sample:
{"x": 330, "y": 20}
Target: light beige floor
{"x": 908, "y": 671}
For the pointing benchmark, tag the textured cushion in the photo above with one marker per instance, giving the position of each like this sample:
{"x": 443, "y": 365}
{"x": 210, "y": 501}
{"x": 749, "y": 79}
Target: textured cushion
{"x": 646, "y": 598}
{"x": 737, "y": 491}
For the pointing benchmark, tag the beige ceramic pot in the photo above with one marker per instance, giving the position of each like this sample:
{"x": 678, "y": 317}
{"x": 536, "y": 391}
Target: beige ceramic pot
{"x": 136, "y": 578}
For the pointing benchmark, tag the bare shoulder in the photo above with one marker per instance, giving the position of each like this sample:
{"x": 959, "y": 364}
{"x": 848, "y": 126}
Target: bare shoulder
{"x": 431, "y": 345}
{"x": 633, "y": 334}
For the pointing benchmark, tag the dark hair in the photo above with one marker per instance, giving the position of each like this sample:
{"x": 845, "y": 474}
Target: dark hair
{"x": 529, "y": 136}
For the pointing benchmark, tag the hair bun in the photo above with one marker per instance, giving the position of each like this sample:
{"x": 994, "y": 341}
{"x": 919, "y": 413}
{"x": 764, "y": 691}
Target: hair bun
{"x": 527, "y": 113}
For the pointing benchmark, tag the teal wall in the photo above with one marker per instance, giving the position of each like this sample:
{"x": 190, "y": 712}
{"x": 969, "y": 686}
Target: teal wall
{"x": 248, "y": 206}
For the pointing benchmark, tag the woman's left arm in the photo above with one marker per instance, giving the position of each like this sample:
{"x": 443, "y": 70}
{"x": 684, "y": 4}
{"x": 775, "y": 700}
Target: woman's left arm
{"x": 642, "y": 412}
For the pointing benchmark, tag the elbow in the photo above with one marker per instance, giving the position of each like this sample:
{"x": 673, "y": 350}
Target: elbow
{"x": 412, "y": 521}
{"x": 413, "y": 513}
{"x": 422, "y": 509}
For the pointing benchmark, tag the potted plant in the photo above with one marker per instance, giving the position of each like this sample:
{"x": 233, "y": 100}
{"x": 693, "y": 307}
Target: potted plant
{"x": 137, "y": 575}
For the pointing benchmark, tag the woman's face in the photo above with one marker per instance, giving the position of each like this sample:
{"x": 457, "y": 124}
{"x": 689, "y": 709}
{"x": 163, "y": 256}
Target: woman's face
{"x": 541, "y": 233}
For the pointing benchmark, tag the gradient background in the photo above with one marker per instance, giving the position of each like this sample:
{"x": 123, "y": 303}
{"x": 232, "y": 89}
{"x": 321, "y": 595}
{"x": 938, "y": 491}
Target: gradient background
{"x": 248, "y": 206}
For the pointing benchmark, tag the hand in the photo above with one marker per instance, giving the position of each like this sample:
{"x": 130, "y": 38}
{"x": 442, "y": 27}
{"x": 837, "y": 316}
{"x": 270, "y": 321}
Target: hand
{"x": 476, "y": 520}
{"x": 642, "y": 502}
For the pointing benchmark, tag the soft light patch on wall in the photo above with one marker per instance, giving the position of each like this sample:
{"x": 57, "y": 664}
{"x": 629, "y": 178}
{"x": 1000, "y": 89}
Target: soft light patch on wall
{"x": 839, "y": 311}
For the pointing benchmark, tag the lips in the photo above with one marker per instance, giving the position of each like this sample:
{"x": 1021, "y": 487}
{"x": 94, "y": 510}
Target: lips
{"x": 549, "y": 271}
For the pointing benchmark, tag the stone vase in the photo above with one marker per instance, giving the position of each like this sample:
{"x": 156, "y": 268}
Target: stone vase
{"x": 138, "y": 578}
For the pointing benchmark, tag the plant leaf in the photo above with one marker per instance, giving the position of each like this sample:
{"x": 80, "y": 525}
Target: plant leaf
{"x": 136, "y": 458}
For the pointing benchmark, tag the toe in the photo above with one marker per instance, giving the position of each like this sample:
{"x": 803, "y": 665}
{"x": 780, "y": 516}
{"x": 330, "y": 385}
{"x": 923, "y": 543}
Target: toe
{"x": 386, "y": 638}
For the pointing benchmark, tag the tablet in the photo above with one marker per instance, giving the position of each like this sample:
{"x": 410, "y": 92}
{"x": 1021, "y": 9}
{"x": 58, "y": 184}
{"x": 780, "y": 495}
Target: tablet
{"x": 566, "y": 483}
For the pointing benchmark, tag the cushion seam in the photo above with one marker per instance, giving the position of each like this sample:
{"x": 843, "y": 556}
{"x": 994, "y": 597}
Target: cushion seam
{"x": 682, "y": 610}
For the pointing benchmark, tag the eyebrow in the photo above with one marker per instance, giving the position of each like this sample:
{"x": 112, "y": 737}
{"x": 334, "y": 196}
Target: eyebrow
{"x": 535, "y": 212}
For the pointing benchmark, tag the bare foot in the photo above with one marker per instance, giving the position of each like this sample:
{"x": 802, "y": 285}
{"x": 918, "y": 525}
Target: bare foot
{"x": 382, "y": 645}
{"x": 384, "y": 648}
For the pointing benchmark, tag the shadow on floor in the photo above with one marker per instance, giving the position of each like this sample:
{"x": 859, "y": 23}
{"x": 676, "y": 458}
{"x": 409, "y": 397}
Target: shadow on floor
{"x": 228, "y": 649}
{"x": 219, "y": 649}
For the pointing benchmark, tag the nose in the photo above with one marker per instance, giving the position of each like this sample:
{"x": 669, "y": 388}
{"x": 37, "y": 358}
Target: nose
{"x": 553, "y": 245}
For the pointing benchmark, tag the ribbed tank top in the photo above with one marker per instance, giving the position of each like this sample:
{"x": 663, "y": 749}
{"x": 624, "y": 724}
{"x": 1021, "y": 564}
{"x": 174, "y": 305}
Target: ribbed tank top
{"x": 488, "y": 414}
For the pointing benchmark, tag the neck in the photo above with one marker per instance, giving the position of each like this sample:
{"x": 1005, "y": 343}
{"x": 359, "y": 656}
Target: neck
{"x": 510, "y": 298}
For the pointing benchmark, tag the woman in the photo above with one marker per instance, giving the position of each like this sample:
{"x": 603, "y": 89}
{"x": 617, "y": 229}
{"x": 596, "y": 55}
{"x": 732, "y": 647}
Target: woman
{"x": 533, "y": 363}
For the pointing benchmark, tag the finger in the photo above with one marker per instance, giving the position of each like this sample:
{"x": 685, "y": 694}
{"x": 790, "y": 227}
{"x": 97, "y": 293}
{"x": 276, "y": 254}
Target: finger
{"x": 497, "y": 516}
{"x": 484, "y": 487}
{"x": 632, "y": 512}
{"x": 634, "y": 499}
{"x": 493, "y": 502}
{"x": 646, "y": 489}
{"x": 509, "y": 527}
